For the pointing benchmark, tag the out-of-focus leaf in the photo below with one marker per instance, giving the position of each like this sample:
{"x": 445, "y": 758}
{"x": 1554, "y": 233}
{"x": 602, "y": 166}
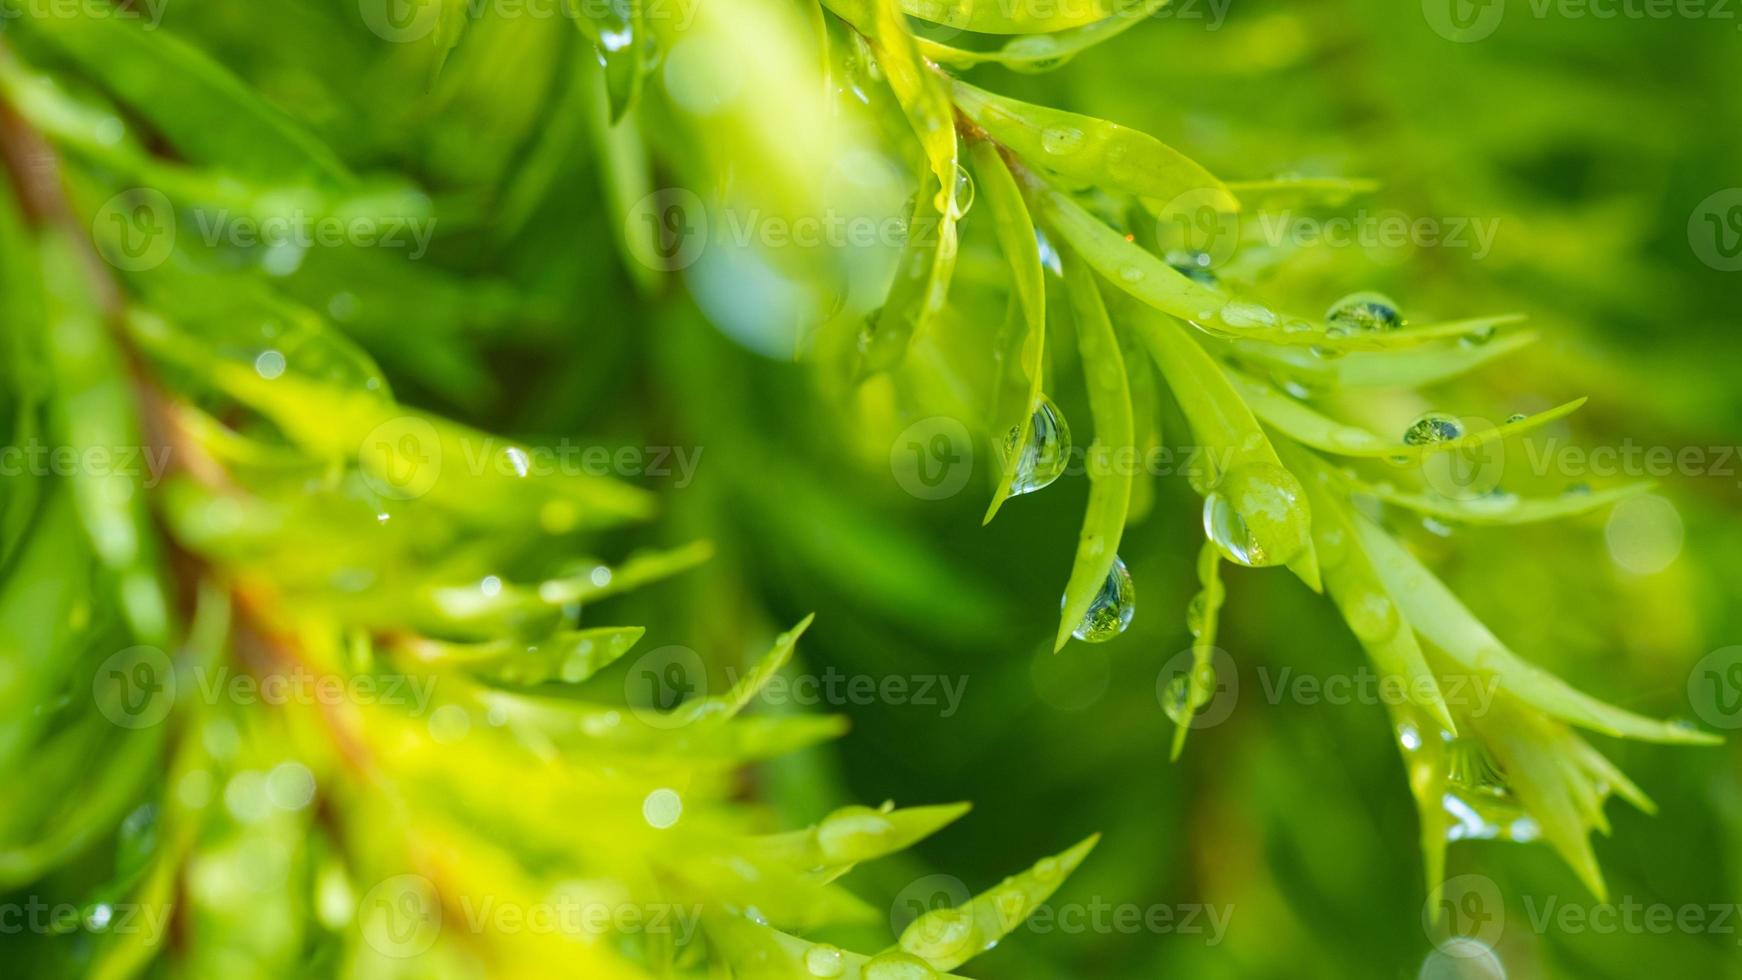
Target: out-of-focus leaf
{"x": 1044, "y": 52}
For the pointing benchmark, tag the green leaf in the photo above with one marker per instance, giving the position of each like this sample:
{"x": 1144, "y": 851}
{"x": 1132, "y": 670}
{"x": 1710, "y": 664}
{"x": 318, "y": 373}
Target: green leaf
{"x": 854, "y": 834}
{"x": 1409, "y": 367}
{"x": 1022, "y": 343}
{"x": 1109, "y": 455}
{"x": 94, "y": 408}
{"x": 208, "y": 114}
{"x": 1499, "y": 510}
{"x": 1092, "y": 151}
{"x": 1303, "y": 424}
{"x": 1044, "y": 52}
{"x": 570, "y": 656}
{"x": 1197, "y": 687}
{"x": 947, "y": 938}
{"x": 1004, "y": 17}
{"x": 1226, "y": 432}
{"x": 1445, "y": 622}
{"x": 1126, "y": 265}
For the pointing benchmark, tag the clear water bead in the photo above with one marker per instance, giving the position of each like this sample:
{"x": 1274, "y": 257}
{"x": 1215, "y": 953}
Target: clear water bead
{"x": 1253, "y": 515}
{"x": 1048, "y": 450}
{"x": 1110, "y": 614}
{"x": 1364, "y": 312}
{"x": 1434, "y": 427}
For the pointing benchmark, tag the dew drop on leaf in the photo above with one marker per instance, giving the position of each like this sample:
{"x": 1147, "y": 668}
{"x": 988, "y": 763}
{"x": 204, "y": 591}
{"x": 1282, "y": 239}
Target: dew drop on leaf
{"x": 1193, "y": 264}
{"x": 1114, "y": 605}
{"x": 1043, "y": 459}
{"x": 896, "y": 965}
{"x": 1242, "y": 315}
{"x": 1254, "y": 515}
{"x": 964, "y": 190}
{"x": 1434, "y": 427}
{"x": 823, "y": 961}
{"x": 1364, "y": 313}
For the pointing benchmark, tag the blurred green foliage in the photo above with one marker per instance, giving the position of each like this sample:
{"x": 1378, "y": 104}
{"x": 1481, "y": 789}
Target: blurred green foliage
{"x": 500, "y": 188}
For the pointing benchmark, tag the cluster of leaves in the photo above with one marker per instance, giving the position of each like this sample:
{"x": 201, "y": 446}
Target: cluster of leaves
{"x": 301, "y": 528}
{"x": 1119, "y": 219}
{"x": 306, "y": 527}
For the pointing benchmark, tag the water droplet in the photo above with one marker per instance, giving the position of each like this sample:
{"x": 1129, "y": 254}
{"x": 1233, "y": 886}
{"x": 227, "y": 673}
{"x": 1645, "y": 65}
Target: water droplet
{"x": 1114, "y": 605}
{"x": 1479, "y": 336}
{"x": 823, "y": 961}
{"x": 896, "y": 965}
{"x": 852, "y": 834}
{"x": 1046, "y": 868}
{"x": 1254, "y": 515}
{"x": 1197, "y": 614}
{"x": 1579, "y": 489}
{"x": 1434, "y": 427}
{"x": 1242, "y": 315}
{"x": 1193, "y": 264}
{"x": 1131, "y": 273}
{"x": 1061, "y": 139}
{"x": 1048, "y": 450}
{"x": 1188, "y": 691}
{"x": 1515, "y": 418}
{"x": 1365, "y": 313}
{"x": 964, "y": 190}
{"x": 1034, "y": 53}
{"x": 517, "y": 458}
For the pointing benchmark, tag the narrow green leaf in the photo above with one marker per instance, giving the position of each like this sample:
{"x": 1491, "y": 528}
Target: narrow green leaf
{"x": 1196, "y": 688}
{"x": 570, "y": 656}
{"x": 1044, "y": 52}
{"x": 947, "y": 938}
{"x": 1109, "y": 455}
{"x": 854, "y": 834}
{"x": 1445, "y": 622}
{"x": 1021, "y": 346}
{"x": 1004, "y": 17}
{"x": 1304, "y": 424}
{"x": 1499, "y": 510}
{"x": 1093, "y": 151}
